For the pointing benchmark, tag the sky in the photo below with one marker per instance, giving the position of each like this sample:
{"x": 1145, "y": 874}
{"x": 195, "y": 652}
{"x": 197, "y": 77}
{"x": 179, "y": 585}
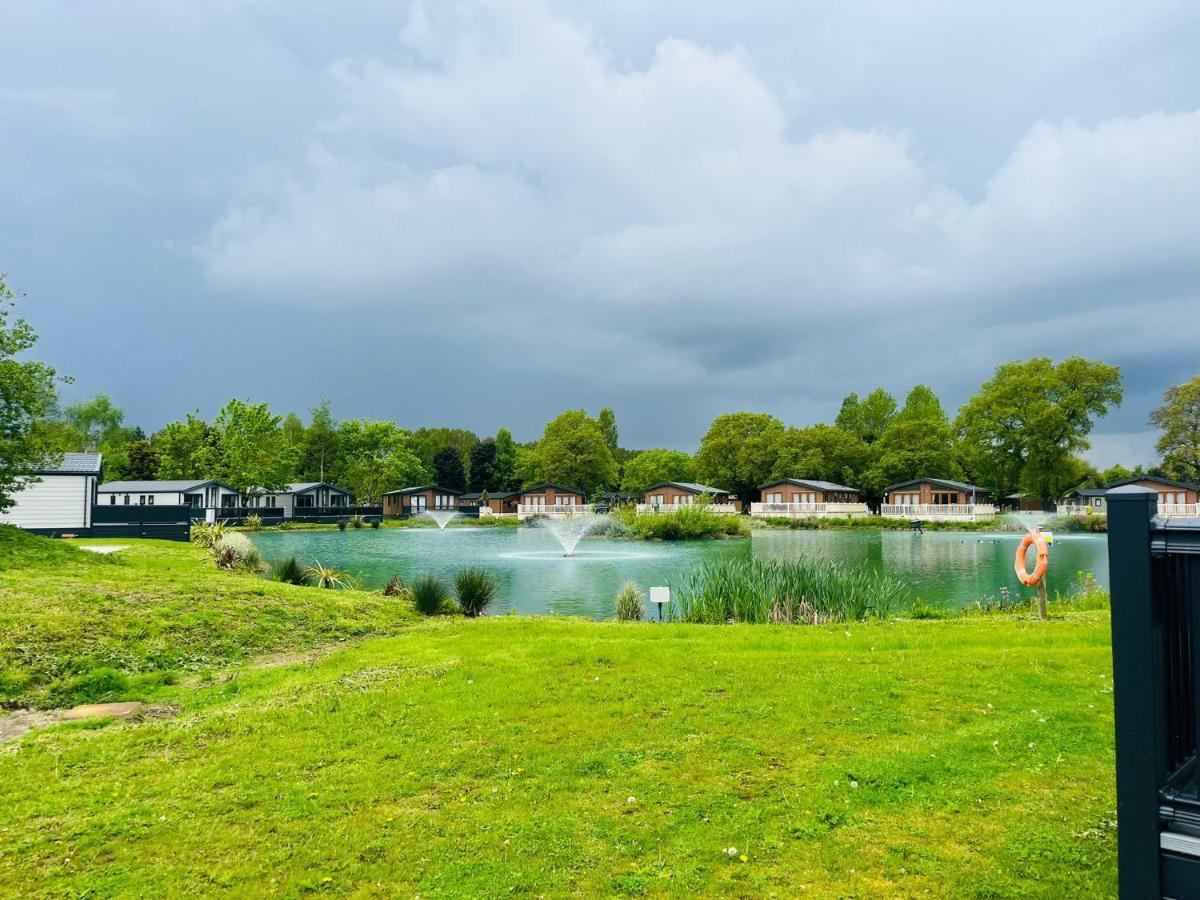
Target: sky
{"x": 478, "y": 214}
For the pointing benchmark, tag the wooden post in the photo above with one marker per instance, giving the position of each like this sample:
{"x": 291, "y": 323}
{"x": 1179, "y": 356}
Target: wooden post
{"x": 1042, "y": 599}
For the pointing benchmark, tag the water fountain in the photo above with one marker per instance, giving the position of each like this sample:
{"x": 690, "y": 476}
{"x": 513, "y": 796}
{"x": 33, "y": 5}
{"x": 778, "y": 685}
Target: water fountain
{"x": 442, "y": 516}
{"x": 570, "y": 529}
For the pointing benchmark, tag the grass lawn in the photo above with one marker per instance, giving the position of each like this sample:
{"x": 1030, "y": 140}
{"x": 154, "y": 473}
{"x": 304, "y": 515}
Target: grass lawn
{"x": 962, "y": 757}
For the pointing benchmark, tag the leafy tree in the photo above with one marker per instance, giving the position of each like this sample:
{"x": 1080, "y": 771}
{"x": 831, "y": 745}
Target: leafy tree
{"x": 141, "y": 461}
{"x": 375, "y": 457}
{"x": 921, "y": 404}
{"x": 825, "y": 452}
{"x": 869, "y": 417}
{"x": 186, "y": 449}
{"x": 293, "y": 431}
{"x": 1179, "y": 420}
{"x": 427, "y": 442}
{"x": 27, "y": 394}
{"x": 319, "y": 449}
{"x": 483, "y": 465}
{"x": 913, "y": 448}
{"x": 652, "y": 466}
{"x": 448, "y": 469}
{"x": 505, "y": 478}
{"x": 608, "y": 426}
{"x": 738, "y": 452}
{"x": 1113, "y": 473}
{"x": 97, "y": 421}
{"x": 1021, "y": 430}
{"x": 252, "y": 454}
{"x": 573, "y": 452}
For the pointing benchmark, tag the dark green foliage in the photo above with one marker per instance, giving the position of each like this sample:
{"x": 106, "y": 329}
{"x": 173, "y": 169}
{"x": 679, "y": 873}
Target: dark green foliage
{"x": 98, "y": 685}
{"x": 289, "y": 571}
{"x": 476, "y": 589}
{"x": 342, "y": 523}
{"x": 688, "y": 523}
{"x": 429, "y": 594}
{"x": 449, "y": 470}
{"x": 484, "y": 473}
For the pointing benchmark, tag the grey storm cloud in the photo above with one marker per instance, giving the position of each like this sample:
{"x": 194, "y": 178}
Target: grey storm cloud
{"x": 677, "y": 212}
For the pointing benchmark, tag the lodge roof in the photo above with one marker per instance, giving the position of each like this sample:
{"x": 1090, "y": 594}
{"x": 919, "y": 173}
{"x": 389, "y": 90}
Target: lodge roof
{"x": 827, "y": 486}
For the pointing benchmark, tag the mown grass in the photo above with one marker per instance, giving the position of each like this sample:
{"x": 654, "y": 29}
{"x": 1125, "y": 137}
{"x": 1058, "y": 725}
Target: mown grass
{"x": 76, "y": 626}
{"x": 968, "y": 757}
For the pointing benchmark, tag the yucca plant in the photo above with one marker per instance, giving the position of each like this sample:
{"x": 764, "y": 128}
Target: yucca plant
{"x": 630, "y": 603}
{"x": 321, "y": 576}
{"x": 253, "y": 522}
{"x": 476, "y": 589}
{"x": 395, "y": 587}
{"x": 356, "y": 521}
{"x": 289, "y": 571}
{"x": 429, "y": 593}
{"x": 206, "y": 534}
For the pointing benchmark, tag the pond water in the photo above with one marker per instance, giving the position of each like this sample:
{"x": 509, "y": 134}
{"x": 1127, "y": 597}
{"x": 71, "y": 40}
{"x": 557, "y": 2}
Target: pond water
{"x": 532, "y": 575}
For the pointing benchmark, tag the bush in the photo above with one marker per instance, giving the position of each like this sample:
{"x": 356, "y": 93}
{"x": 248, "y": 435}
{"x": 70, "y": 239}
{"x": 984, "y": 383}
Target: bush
{"x": 429, "y": 593}
{"x": 630, "y": 603}
{"x": 799, "y": 591}
{"x": 342, "y": 523}
{"x": 207, "y": 534}
{"x": 321, "y": 576}
{"x": 687, "y": 523}
{"x": 236, "y": 552}
{"x": 289, "y": 572}
{"x": 376, "y": 523}
{"x": 395, "y": 588}
{"x": 476, "y": 589}
{"x": 920, "y": 609}
{"x": 356, "y": 522}
{"x": 254, "y": 522}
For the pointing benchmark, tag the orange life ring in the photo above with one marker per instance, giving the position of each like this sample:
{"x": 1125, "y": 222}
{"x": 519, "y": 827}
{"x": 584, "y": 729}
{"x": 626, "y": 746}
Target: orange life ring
{"x": 1029, "y": 579}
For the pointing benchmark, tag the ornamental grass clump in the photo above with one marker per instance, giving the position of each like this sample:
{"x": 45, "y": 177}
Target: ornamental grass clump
{"x": 630, "y": 602}
{"x": 321, "y": 576}
{"x": 206, "y": 534}
{"x": 476, "y": 589}
{"x": 798, "y": 591}
{"x": 429, "y": 594}
{"x": 289, "y": 571}
{"x": 253, "y": 522}
{"x": 356, "y": 522}
{"x": 236, "y": 552}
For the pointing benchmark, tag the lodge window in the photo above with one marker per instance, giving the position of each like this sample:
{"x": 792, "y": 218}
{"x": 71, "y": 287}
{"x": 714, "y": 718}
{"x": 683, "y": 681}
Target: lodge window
{"x": 112, "y": 499}
{"x": 150, "y": 500}
{"x": 126, "y": 499}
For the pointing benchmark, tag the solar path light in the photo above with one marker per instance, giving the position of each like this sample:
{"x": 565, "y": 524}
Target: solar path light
{"x": 660, "y": 597}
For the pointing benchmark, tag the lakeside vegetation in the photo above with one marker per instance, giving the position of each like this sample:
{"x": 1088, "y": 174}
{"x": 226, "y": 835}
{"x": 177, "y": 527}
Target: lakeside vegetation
{"x": 971, "y": 755}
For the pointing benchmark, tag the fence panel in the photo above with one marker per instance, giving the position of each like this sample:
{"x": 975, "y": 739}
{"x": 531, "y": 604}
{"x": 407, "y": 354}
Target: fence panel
{"x": 169, "y": 523}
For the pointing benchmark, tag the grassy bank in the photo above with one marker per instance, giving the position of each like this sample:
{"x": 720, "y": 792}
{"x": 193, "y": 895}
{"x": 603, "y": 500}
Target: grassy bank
{"x": 77, "y": 626}
{"x": 686, "y": 523}
{"x": 963, "y": 757}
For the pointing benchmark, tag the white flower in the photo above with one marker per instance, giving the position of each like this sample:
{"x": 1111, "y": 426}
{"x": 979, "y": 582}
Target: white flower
{"x": 854, "y": 784}
{"x": 731, "y": 851}
{"x": 631, "y": 800}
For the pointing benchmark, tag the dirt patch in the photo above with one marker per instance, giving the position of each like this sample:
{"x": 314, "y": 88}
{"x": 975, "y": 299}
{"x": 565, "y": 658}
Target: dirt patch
{"x": 17, "y": 723}
{"x": 277, "y": 660}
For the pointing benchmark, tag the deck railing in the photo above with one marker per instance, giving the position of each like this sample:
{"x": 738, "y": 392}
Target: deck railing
{"x": 806, "y": 510}
{"x": 723, "y": 509}
{"x": 553, "y": 510}
{"x": 939, "y": 512}
{"x": 1189, "y": 510}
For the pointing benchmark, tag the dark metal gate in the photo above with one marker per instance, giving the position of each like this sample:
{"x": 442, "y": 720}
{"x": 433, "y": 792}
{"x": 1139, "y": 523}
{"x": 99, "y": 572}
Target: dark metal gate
{"x": 1154, "y": 566}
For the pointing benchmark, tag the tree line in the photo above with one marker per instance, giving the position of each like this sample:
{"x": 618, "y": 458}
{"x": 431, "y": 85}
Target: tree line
{"x": 1022, "y": 431}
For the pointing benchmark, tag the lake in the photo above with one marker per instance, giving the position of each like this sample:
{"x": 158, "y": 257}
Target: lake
{"x": 949, "y": 568}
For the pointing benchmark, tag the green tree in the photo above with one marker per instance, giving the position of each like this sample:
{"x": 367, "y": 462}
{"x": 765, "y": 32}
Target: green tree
{"x": 573, "y": 452}
{"x": 825, "y": 452}
{"x": 652, "y": 466}
{"x": 505, "y": 478}
{"x": 1113, "y": 473}
{"x": 921, "y": 404}
{"x": 608, "y": 426}
{"x": 1179, "y": 420}
{"x": 97, "y": 421}
{"x": 738, "y": 452}
{"x": 1023, "y": 427}
{"x": 141, "y": 461}
{"x": 448, "y": 469}
{"x": 375, "y": 457}
{"x": 186, "y": 449}
{"x": 252, "y": 454}
{"x": 426, "y": 443}
{"x": 319, "y": 449}
{"x": 869, "y": 417}
{"x": 918, "y": 442}
{"x": 483, "y": 465}
{"x": 27, "y": 394}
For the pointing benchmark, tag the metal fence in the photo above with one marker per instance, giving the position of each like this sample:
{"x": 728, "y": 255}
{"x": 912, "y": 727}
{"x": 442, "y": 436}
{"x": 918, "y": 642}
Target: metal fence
{"x": 1154, "y": 573}
{"x": 334, "y": 513}
{"x": 170, "y": 523}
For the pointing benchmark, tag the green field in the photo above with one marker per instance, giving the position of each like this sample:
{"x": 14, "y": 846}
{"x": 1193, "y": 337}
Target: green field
{"x": 964, "y": 757}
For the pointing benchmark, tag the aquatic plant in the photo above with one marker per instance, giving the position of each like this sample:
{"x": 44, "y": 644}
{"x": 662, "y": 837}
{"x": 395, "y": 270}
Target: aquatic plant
{"x": 630, "y": 602}
{"x": 796, "y": 591}
{"x": 476, "y": 589}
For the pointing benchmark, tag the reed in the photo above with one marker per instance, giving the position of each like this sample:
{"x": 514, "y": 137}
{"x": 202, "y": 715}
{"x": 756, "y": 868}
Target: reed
{"x": 798, "y": 591}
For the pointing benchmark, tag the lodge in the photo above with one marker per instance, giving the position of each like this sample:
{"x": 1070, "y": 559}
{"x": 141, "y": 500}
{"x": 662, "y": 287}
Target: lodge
{"x": 802, "y": 498}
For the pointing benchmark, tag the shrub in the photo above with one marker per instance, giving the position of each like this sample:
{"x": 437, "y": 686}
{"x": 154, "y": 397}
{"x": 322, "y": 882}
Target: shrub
{"x": 376, "y": 523}
{"x": 236, "y": 551}
{"x": 920, "y": 609}
{"x": 342, "y": 523}
{"x": 630, "y": 603}
{"x": 206, "y": 534}
{"x": 325, "y": 577}
{"x": 356, "y": 521}
{"x": 253, "y": 522}
{"x": 476, "y": 589}
{"x": 799, "y": 591}
{"x": 395, "y": 588}
{"x": 687, "y": 523}
{"x": 285, "y": 525}
{"x": 289, "y": 571}
{"x": 429, "y": 593}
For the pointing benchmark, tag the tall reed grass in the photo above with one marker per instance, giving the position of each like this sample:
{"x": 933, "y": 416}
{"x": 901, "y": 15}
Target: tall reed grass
{"x": 797, "y": 591}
